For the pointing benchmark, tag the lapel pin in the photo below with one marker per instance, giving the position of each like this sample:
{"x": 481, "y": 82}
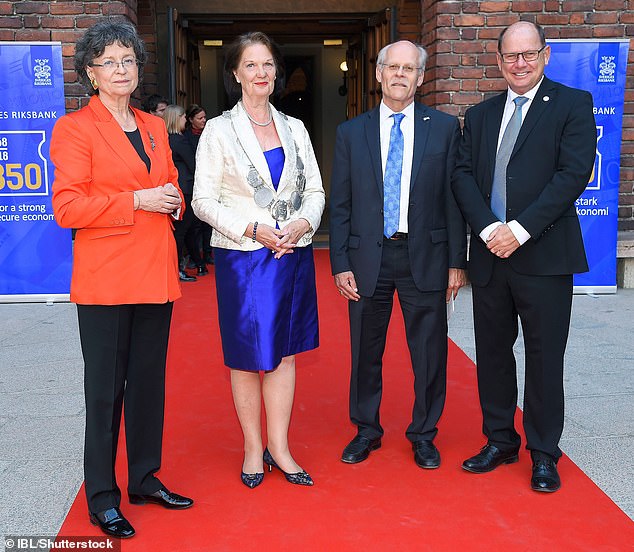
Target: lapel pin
{"x": 425, "y": 118}
{"x": 152, "y": 144}
{"x": 546, "y": 98}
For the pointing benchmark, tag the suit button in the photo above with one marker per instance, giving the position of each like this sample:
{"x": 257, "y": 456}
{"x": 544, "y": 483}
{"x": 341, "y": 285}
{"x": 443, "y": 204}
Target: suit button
{"x": 380, "y": 244}
{"x": 381, "y": 211}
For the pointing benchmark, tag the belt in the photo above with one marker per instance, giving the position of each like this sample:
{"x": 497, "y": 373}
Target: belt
{"x": 398, "y": 236}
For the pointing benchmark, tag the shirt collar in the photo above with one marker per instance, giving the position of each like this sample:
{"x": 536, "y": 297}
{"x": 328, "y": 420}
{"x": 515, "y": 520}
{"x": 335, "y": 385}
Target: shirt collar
{"x": 386, "y": 112}
{"x": 530, "y": 94}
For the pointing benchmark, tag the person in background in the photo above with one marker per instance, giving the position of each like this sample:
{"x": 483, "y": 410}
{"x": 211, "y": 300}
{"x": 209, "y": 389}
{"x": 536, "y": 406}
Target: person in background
{"x": 184, "y": 156}
{"x": 258, "y": 184}
{"x": 155, "y": 104}
{"x": 196, "y": 120}
{"x": 116, "y": 184}
{"x": 525, "y": 157}
{"x": 395, "y": 227}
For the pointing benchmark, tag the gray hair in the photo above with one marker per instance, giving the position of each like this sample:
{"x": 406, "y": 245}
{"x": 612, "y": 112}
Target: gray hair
{"x": 422, "y": 55}
{"x": 95, "y": 40}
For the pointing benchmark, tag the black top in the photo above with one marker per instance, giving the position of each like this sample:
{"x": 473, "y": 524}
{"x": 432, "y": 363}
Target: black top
{"x": 137, "y": 142}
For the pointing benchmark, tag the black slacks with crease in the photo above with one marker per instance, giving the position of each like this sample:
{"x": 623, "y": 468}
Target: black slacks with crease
{"x": 425, "y": 317}
{"x": 124, "y": 349}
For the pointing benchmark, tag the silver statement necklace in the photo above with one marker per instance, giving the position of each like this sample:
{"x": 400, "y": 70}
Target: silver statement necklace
{"x": 267, "y": 123}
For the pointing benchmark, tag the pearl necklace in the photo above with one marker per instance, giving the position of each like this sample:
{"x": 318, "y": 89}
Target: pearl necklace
{"x": 267, "y": 123}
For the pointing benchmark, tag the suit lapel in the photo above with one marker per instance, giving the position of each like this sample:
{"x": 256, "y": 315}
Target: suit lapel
{"x": 151, "y": 144}
{"x": 247, "y": 139}
{"x": 541, "y": 103}
{"x": 493, "y": 122}
{"x": 122, "y": 149}
{"x": 373, "y": 138}
{"x": 422, "y": 120}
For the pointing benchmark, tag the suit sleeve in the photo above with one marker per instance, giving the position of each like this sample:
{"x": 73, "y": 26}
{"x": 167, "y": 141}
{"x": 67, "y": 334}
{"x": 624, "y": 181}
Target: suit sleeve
{"x": 340, "y": 204}
{"x": 465, "y": 188}
{"x": 455, "y": 222}
{"x": 73, "y": 205}
{"x": 577, "y": 147}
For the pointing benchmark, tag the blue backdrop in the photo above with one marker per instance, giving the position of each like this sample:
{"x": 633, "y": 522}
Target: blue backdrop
{"x": 599, "y": 67}
{"x": 35, "y": 253}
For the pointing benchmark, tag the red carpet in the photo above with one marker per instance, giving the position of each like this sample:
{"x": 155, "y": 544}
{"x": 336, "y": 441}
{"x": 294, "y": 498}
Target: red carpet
{"x": 385, "y": 503}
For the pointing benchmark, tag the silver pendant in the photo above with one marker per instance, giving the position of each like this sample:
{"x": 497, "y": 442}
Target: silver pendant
{"x": 296, "y": 200}
{"x": 263, "y": 196}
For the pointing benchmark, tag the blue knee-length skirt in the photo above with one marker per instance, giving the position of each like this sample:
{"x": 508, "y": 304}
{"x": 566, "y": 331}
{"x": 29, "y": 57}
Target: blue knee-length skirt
{"x": 267, "y": 307}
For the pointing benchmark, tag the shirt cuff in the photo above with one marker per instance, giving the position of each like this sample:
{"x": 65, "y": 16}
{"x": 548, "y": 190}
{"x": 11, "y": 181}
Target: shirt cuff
{"x": 486, "y": 233}
{"x": 521, "y": 235}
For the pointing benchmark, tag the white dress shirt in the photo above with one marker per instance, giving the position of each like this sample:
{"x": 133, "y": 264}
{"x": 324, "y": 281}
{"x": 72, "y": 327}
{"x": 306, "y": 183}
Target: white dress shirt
{"x": 520, "y": 233}
{"x": 407, "y": 127}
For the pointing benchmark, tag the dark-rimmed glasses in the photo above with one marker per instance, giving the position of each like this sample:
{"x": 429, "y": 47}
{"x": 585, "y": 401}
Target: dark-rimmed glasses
{"x": 528, "y": 55}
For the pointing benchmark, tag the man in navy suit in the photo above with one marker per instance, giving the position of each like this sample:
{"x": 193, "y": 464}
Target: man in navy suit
{"x": 518, "y": 195}
{"x": 395, "y": 226}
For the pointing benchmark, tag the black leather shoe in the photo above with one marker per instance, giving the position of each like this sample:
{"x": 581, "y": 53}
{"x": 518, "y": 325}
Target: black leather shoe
{"x": 545, "y": 477}
{"x": 164, "y": 498}
{"x": 489, "y": 458}
{"x": 112, "y": 523}
{"x": 426, "y": 454}
{"x": 202, "y": 270}
{"x": 184, "y": 277}
{"x": 359, "y": 449}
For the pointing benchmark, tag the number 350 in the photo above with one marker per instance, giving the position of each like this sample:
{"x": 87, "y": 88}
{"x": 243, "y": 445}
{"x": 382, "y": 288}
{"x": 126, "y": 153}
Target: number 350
{"x": 15, "y": 177}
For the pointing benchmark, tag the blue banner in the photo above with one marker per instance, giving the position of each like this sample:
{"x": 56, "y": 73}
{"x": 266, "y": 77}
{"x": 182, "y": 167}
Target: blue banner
{"x": 599, "y": 67}
{"x": 35, "y": 253}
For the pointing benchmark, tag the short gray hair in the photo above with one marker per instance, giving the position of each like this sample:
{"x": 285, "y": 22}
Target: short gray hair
{"x": 422, "y": 54}
{"x": 95, "y": 40}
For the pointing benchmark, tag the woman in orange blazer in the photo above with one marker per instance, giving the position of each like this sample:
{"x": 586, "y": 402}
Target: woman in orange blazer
{"x": 115, "y": 183}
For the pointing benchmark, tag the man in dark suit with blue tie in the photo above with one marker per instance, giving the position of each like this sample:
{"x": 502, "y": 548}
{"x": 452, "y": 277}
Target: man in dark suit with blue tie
{"x": 525, "y": 157}
{"x": 395, "y": 226}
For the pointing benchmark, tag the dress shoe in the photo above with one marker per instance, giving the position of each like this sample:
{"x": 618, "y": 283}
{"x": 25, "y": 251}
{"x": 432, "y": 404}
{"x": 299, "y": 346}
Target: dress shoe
{"x": 426, "y": 454}
{"x": 184, "y": 277}
{"x": 298, "y": 478}
{"x": 112, "y": 523}
{"x": 252, "y": 480}
{"x": 164, "y": 498}
{"x": 202, "y": 270}
{"x": 545, "y": 477}
{"x": 489, "y": 458}
{"x": 359, "y": 449}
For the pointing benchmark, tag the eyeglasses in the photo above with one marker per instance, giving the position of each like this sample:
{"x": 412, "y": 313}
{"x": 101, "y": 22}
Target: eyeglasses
{"x": 528, "y": 55}
{"x": 111, "y": 65}
{"x": 394, "y": 67}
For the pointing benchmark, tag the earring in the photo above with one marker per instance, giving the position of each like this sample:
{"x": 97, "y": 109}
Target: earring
{"x": 94, "y": 83}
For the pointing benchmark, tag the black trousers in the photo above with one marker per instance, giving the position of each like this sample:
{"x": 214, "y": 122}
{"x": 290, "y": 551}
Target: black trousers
{"x": 124, "y": 349}
{"x": 543, "y": 305}
{"x": 425, "y": 319}
{"x": 187, "y": 233}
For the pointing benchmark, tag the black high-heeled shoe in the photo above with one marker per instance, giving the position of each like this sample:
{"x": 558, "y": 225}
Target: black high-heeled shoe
{"x": 252, "y": 480}
{"x": 299, "y": 478}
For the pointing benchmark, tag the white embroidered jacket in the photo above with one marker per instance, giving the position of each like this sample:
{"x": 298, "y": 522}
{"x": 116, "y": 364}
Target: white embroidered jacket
{"x": 223, "y": 197}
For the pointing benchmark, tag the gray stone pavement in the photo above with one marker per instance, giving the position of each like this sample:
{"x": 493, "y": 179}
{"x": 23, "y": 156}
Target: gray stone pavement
{"x": 41, "y": 413}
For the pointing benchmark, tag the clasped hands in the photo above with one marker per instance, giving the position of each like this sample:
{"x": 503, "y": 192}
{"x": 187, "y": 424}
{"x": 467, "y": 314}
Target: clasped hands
{"x": 281, "y": 242}
{"x": 162, "y": 199}
{"x": 502, "y": 242}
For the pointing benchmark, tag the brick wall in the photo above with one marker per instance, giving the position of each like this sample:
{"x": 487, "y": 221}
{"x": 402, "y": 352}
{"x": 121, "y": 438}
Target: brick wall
{"x": 461, "y": 38}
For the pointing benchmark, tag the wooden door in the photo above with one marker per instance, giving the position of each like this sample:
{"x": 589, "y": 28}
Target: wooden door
{"x": 184, "y": 66}
{"x": 364, "y": 92}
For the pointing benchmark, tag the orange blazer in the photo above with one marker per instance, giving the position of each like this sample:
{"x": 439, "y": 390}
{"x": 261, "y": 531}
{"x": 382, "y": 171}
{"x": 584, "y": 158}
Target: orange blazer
{"x": 120, "y": 255}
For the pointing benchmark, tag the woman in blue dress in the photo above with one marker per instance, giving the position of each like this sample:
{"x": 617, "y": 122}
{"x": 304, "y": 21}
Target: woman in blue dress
{"x": 258, "y": 184}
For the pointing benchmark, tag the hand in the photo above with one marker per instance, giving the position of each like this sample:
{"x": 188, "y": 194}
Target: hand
{"x": 347, "y": 285}
{"x": 266, "y": 235}
{"x": 162, "y": 199}
{"x": 502, "y": 242}
{"x": 291, "y": 234}
{"x": 457, "y": 279}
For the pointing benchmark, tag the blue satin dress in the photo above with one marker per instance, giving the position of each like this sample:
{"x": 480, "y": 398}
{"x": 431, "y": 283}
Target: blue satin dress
{"x": 267, "y": 308}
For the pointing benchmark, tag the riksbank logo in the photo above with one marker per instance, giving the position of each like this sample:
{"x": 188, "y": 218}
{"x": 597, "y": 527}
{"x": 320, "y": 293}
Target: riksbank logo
{"x": 42, "y": 73}
{"x": 607, "y": 70}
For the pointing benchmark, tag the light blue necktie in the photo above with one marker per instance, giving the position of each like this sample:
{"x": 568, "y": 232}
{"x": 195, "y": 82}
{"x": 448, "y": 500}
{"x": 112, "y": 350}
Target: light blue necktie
{"x": 498, "y": 190}
{"x": 392, "y": 178}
